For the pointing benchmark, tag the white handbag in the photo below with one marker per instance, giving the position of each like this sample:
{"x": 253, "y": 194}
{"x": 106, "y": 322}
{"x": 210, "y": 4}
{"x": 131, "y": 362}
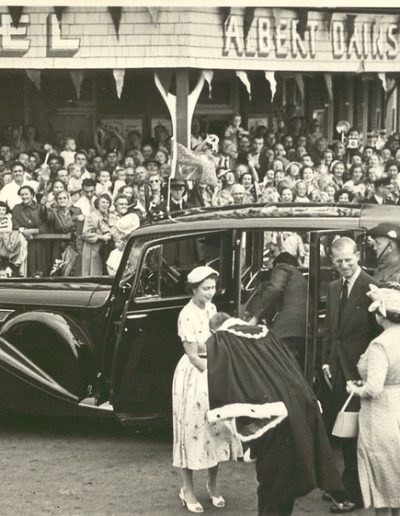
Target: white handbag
{"x": 346, "y": 424}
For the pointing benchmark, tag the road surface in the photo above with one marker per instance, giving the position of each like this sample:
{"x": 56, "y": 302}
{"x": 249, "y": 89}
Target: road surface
{"x": 75, "y": 467}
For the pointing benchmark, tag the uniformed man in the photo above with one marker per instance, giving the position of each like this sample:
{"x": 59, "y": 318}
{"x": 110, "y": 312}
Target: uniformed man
{"x": 387, "y": 247}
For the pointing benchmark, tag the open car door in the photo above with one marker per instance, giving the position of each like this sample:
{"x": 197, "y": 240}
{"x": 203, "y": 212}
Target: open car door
{"x": 321, "y": 273}
{"x": 147, "y": 347}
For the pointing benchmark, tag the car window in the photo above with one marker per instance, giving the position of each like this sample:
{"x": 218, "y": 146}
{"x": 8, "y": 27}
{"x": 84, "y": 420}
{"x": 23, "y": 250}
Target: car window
{"x": 166, "y": 265}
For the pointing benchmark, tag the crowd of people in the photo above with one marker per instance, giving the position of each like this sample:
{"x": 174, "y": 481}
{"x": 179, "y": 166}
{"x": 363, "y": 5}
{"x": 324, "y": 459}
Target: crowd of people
{"x": 64, "y": 204}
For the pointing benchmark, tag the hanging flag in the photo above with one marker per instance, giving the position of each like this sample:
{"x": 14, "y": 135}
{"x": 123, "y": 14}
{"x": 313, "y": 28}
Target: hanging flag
{"x": 77, "y": 78}
{"x": 382, "y": 78}
{"x": 15, "y": 13}
{"x": 302, "y": 15}
{"x": 59, "y": 12}
{"x": 34, "y": 76}
{"x": 300, "y": 84}
{"x": 208, "y": 76}
{"x": 350, "y": 26}
{"x": 276, "y": 16}
{"x": 119, "y": 74}
{"x": 270, "y": 77}
{"x": 226, "y": 14}
{"x": 116, "y": 13}
{"x": 248, "y": 20}
{"x": 328, "y": 84}
{"x": 154, "y": 13}
{"x": 329, "y": 16}
{"x": 242, "y": 76}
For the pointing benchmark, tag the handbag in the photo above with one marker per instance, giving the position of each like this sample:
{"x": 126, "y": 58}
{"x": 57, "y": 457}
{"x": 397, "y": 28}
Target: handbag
{"x": 346, "y": 423}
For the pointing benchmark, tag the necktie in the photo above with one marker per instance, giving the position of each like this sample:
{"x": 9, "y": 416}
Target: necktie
{"x": 343, "y": 297}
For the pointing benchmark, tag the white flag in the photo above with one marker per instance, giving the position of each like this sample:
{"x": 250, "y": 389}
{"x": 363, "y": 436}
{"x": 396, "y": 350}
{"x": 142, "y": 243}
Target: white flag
{"x": 245, "y": 80}
{"x": 270, "y": 76}
{"x": 34, "y": 76}
{"x": 119, "y": 75}
{"x": 208, "y": 76}
{"x": 77, "y": 78}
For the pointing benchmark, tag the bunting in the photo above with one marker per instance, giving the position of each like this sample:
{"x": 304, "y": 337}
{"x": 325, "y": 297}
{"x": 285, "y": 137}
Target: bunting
{"x": 115, "y": 13}
{"x": 59, "y": 12}
{"x": 77, "y": 78}
{"x": 350, "y": 27}
{"x": 302, "y": 15}
{"x": 270, "y": 77}
{"x": 34, "y": 76}
{"x": 300, "y": 84}
{"x": 154, "y": 14}
{"x": 328, "y": 84}
{"x": 226, "y": 14}
{"x": 119, "y": 75}
{"x": 248, "y": 20}
{"x": 208, "y": 76}
{"x": 329, "y": 16}
{"x": 242, "y": 76}
{"x": 15, "y": 13}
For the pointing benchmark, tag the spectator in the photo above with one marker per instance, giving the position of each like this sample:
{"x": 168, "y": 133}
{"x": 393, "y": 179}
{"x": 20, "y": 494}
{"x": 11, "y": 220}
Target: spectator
{"x": 86, "y": 202}
{"x": 10, "y": 192}
{"x": 68, "y": 154}
{"x": 96, "y": 235}
{"x": 30, "y": 219}
{"x": 13, "y": 245}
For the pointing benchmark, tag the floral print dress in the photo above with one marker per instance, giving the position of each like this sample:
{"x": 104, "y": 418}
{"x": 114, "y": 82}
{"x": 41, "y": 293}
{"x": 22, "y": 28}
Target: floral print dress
{"x": 198, "y": 444}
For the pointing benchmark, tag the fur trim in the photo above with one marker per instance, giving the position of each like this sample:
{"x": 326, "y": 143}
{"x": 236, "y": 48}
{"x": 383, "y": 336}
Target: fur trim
{"x": 258, "y": 331}
{"x": 276, "y": 412}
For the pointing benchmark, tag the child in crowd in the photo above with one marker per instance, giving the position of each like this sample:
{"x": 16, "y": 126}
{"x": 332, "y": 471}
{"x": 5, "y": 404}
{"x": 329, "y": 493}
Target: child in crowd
{"x": 68, "y": 154}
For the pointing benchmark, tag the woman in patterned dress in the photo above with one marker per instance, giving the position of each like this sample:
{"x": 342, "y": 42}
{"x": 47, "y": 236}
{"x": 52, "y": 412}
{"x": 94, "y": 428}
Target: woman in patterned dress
{"x": 197, "y": 443}
{"x": 378, "y": 445}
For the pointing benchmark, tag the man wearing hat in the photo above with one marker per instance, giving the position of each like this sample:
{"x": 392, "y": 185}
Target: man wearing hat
{"x": 387, "y": 248}
{"x": 382, "y": 193}
{"x": 178, "y": 188}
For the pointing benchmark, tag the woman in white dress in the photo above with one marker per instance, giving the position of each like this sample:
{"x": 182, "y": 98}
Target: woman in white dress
{"x": 197, "y": 443}
{"x": 378, "y": 446}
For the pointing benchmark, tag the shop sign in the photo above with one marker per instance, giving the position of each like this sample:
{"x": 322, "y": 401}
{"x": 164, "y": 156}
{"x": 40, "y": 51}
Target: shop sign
{"x": 14, "y": 41}
{"x": 280, "y": 39}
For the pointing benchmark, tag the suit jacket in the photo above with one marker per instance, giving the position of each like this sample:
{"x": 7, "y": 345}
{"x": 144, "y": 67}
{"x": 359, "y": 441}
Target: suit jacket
{"x": 344, "y": 343}
{"x": 282, "y": 301}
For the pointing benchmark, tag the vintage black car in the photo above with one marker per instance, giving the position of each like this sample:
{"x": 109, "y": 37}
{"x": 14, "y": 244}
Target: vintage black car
{"x": 109, "y": 346}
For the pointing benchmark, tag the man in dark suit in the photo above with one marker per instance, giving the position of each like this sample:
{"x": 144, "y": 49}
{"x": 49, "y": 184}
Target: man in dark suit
{"x": 349, "y": 330}
{"x": 282, "y": 302}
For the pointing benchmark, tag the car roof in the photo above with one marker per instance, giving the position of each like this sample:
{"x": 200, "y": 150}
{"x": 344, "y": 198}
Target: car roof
{"x": 283, "y": 215}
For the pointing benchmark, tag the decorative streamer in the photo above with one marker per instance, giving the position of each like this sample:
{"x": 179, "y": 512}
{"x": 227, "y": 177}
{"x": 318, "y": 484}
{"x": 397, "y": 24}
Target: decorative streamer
{"x": 242, "y": 76}
{"x": 115, "y": 13}
{"x": 154, "y": 14}
{"x": 276, "y": 15}
{"x": 208, "y": 76}
{"x": 248, "y": 20}
{"x": 382, "y": 78}
{"x": 328, "y": 84}
{"x": 34, "y": 76}
{"x": 77, "y": 78}
{"x": 15, "y": 13}
{"x": 302, "y": 15}
{"x": 119, "y": 74}
{"x": 270, "y": 77}
{"x": 300, "y": 84}
{"x": 59, "y": 12}
{"x": 361, "y": 67}
{"x": 329, "y": 16}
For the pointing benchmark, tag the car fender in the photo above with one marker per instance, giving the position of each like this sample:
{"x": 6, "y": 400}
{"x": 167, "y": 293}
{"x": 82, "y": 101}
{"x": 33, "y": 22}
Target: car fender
{"x": 57, "y": 345}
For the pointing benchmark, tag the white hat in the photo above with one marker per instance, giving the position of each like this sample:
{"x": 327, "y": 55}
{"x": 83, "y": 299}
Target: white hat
{"x": 198, "y": 274}
{"x": 128, "y": 223}
{"x": 384, "y": 300}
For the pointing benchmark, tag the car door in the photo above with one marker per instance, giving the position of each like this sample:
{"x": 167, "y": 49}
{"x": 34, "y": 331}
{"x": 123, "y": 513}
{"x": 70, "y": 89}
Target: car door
{"x": 321, "y": 273}
{"x": 147, "y": 347}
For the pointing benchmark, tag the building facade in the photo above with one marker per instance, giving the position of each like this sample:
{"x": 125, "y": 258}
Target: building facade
{"x": 70, "y": 69}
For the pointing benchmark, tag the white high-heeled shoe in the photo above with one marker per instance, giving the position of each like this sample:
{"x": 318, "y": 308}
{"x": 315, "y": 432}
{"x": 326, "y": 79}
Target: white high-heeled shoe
{"x": 217, "y": 501}
{"x": 191, "y": 507}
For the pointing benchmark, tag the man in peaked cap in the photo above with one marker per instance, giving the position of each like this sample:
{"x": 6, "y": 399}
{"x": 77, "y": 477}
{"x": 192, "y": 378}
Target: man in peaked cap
{"x": 387, "y": 248}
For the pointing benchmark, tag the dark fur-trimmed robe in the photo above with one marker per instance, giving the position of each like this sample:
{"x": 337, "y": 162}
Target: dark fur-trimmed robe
{"x": 254, "y": 378}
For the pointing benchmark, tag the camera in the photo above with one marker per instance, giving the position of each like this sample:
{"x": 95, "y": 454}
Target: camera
{"x": 352, "y": 143}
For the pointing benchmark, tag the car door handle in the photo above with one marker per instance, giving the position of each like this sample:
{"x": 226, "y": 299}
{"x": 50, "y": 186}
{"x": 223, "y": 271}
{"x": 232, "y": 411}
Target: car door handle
{"x": 131, "y": 317}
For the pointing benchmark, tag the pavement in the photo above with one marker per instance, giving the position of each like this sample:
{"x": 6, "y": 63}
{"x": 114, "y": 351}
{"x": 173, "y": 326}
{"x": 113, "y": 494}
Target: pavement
{"x": 93, "y": 467}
